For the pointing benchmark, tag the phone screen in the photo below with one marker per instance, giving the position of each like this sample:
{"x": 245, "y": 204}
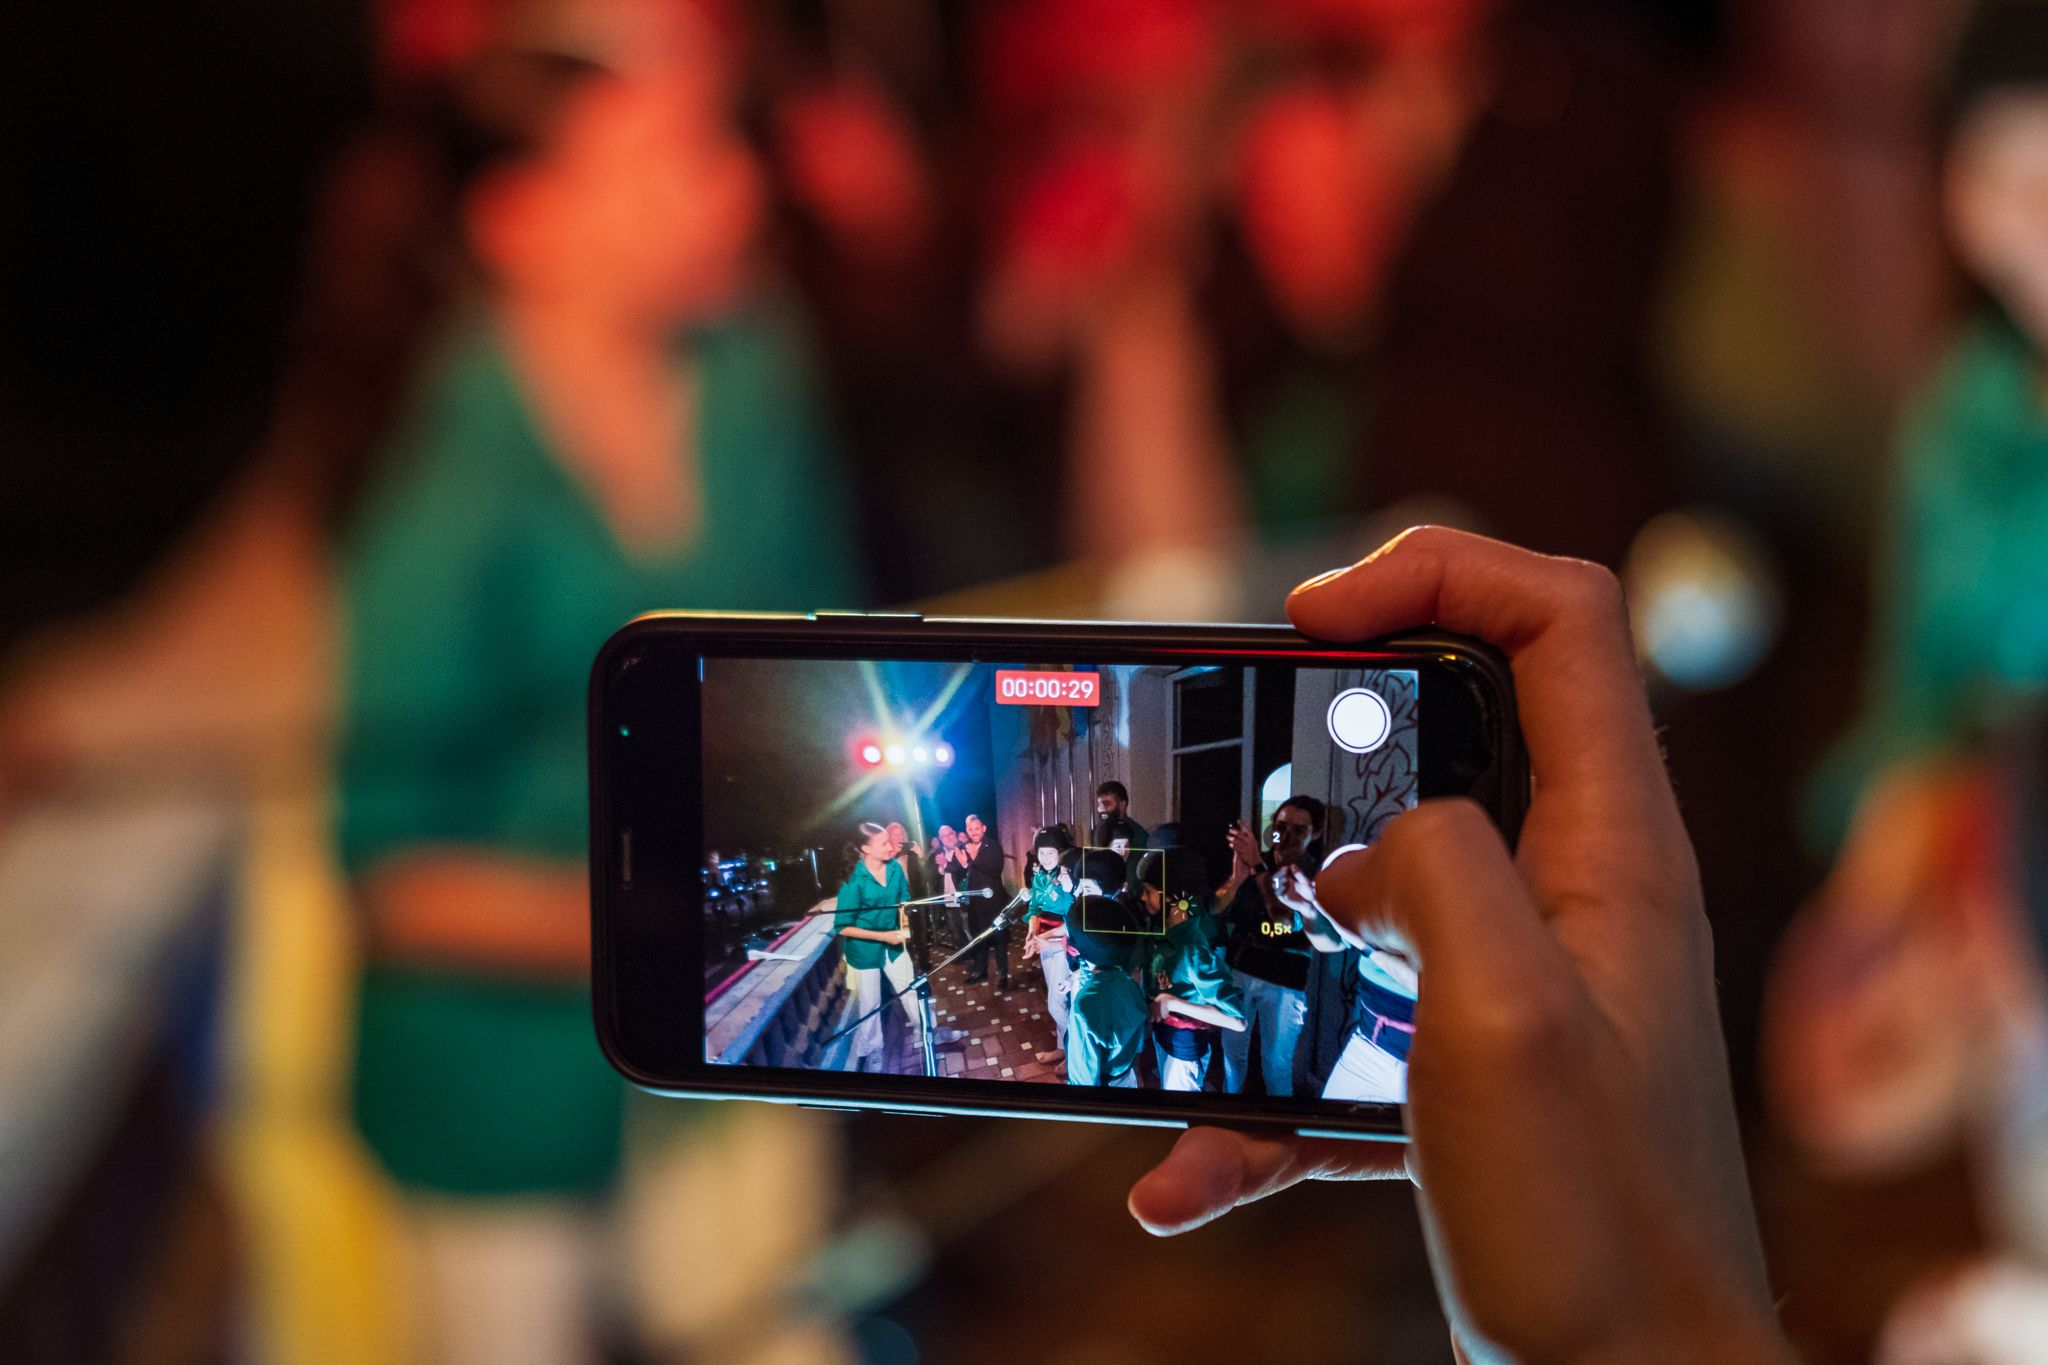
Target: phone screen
{"x": 1073, "y": 874}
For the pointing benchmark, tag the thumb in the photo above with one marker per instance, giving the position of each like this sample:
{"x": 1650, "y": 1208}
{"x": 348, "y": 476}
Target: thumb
{"x": 1211, "y": 1171}
{"x": 1441, "y": 885}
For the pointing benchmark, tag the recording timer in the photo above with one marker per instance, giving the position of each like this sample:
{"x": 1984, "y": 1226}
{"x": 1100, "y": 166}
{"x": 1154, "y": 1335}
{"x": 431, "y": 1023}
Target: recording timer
{"x": 1047, "y": 687}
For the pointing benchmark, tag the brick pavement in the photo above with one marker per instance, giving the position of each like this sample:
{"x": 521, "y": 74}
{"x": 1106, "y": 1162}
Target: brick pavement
{"x": 1002, "y": 1031}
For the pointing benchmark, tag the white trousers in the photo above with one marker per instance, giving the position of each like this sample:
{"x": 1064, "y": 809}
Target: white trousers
{"x": 504, "y": 1281}
{"x": 1366, "y": 1072}
{"x": 1059, "y": 987}
{"x": 733, "y": 1207}
{"x": 865, "y": 989}
{"x": 1181, "y": 1073}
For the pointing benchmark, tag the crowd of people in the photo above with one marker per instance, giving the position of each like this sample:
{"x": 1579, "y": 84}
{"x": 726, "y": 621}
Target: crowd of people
{"x": 1156, "y": 972}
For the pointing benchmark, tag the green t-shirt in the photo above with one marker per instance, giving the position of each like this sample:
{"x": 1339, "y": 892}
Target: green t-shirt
{"x": 1048, "y": 897}
{"x": 1105, "y": 1026}
{"x": 1962, "y": 634}
{"x": 1189, "y": 960}
{"x": 865, "y": 903}
{"x": 478, "y": 582}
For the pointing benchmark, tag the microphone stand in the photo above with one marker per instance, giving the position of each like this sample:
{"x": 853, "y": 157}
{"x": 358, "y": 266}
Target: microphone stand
{"x": 922, "y": 985}
{"x": 922, "y": 903}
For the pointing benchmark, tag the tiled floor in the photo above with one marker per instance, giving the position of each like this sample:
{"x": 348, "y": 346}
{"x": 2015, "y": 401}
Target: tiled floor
{"x": 985, "y": 1032}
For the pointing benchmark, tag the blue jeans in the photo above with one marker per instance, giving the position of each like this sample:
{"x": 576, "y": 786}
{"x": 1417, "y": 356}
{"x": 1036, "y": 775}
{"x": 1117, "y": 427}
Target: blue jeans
{"x": 1275, "y": 1014}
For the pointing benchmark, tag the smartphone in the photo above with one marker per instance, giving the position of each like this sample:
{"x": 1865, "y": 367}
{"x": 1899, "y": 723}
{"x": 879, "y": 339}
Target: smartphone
{"x": 820, "y": 845}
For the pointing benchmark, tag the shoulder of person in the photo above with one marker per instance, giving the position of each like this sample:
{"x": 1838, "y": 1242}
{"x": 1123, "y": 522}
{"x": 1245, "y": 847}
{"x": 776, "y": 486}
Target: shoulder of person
{"x": 465, "y": 432}
{"x": 1985, "y": 386}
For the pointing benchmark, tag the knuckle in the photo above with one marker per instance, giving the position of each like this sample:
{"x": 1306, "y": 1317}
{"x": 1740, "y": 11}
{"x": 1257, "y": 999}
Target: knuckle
{"x": 1524, "y": 1032}
{"x": 1426, "y": 539}
{"x": 1697, "y": 937}
{"x": 1422, "y": 535}
{"x": 1429, "y": 829}
{"x": 1590, "y": 587}
{"x": 1435, "y": 818}
{"x": 1400, "y": 847}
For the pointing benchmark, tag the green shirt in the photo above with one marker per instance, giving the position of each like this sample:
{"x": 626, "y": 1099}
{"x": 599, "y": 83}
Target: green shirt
{"x": 1048, "y": 897}
{"x": 1105, "y": 1025}
{"x": 1962, "y": 634}
{"x": 1189, "y": 961}
{"x": 478, "y": 582}
{"x": 865, "y": 903}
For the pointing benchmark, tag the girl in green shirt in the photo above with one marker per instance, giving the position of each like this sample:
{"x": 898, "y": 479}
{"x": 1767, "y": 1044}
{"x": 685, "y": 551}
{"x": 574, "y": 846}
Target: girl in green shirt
{"x": 873, "y": 927}
{"x": 610, "y": 432}
{"x": 1052, "y": 892}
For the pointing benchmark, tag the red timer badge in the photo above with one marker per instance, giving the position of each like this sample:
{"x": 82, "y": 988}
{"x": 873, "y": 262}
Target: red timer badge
{"x": 1047, "y": 687}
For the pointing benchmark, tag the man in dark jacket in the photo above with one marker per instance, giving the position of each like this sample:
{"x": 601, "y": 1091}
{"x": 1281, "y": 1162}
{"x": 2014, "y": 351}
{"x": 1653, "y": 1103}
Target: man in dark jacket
{"x": 978, "y": 867}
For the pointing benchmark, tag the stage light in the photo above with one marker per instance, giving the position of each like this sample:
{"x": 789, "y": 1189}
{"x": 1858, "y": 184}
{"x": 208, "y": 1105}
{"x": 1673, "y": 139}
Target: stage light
{"x": 920, "y": 755}
{"x": 894, "y": 753}
{"x": 943, "y": 755}
{"x": 870, "y": 753}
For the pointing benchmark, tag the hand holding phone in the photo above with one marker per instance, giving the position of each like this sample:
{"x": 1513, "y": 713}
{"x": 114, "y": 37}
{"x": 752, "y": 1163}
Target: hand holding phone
{"x": 1569, "y": 1079}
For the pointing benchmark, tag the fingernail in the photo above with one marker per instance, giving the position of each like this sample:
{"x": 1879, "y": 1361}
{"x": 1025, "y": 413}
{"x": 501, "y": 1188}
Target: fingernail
{"x": 1325, "y": 576}
{"x": 1396, "y": 540}
{"x": 1334, "y": 854}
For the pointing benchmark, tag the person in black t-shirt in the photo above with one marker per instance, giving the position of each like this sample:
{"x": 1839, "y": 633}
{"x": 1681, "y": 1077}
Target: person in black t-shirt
{"x": 1268, "y": 949}
{"x": 1113, "y": 804}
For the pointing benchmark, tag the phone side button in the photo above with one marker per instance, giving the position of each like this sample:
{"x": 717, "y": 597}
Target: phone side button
{"x": 913, "y": 1113}
{"x": 829, "y": 1108}
{"x": 833, "y": 614}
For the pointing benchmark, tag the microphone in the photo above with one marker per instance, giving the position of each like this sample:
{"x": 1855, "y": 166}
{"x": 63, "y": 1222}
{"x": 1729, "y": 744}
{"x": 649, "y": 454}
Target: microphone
{"x": 986, "y": 893}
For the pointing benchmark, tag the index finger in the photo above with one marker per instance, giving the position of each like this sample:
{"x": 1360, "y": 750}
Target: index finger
{"x": 1211, "y": 1171}
{"x": 1563, "y": 625}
